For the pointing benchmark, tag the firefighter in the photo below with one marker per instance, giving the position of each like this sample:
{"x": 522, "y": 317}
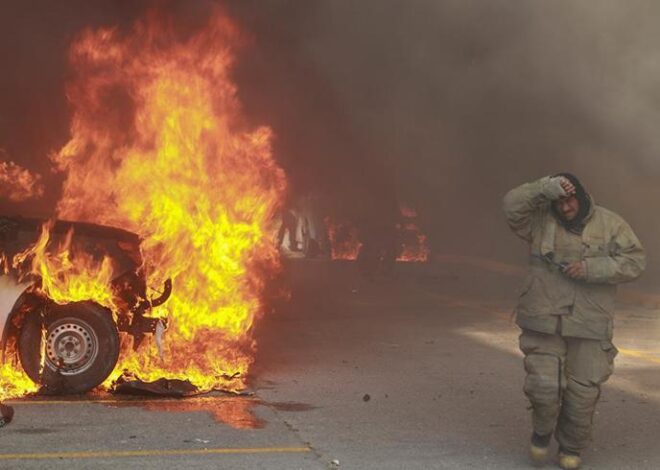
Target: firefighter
{"x": 579, "y": 252}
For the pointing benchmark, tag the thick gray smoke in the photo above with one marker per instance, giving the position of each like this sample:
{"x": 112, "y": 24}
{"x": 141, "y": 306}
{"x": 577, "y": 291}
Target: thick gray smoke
{"x": 442, "y": 104}
{"x": 457, "y": 101}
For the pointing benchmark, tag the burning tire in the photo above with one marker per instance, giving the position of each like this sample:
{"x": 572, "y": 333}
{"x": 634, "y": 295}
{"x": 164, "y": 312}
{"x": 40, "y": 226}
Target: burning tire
{"x": 80, "y": 351}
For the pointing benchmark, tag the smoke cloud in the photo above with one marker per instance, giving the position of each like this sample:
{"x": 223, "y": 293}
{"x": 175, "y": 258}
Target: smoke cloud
{"x": 443, "y": 105}
{"x": 450, "y": 104}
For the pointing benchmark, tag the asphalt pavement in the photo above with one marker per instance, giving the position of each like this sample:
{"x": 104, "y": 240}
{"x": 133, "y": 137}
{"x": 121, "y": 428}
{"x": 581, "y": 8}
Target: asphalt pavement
{"x": 417, "y": 371}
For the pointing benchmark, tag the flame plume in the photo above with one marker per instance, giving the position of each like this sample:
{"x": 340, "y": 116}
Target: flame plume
{"x": 159, "y": 146}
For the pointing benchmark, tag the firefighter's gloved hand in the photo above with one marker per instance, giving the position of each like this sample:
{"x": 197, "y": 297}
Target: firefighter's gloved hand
{"x": 553, "y": 187}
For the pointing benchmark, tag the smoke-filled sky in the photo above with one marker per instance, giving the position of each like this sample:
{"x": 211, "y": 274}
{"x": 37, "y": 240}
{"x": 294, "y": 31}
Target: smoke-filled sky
{"x": 442, "y": 104}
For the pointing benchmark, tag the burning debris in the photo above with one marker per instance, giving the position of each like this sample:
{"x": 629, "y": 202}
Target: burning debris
{"x": 344, "y": 240}
{"x": 413, "y": 241}
{"x": 174, "y": 388}
{"x": 158, "y": 147}
{"x": 405, "y": 241}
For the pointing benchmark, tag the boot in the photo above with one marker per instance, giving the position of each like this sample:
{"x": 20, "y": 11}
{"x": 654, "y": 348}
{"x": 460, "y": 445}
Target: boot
{"x": 569, "y": 460}
{"x": 538, "y": 449}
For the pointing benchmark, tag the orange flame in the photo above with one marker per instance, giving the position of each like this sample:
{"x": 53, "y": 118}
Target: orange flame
{"x": 16, "y": 183}
{"x": 344, "y": 242}
{"x": 414, "y": 244}
{"x": 159, "y": 147}
{"x": 14, "y": 382}
{"x": 346, "y": 245}
{"x": 66, "y": 276}
{"x": 416, "y": 251}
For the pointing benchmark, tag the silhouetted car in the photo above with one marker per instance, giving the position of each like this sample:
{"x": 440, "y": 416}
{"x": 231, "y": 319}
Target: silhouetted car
{"x": 79, "y": 341}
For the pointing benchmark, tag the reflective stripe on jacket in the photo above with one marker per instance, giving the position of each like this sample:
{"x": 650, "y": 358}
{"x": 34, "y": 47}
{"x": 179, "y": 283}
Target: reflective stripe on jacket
{"x": 549, "y": 301}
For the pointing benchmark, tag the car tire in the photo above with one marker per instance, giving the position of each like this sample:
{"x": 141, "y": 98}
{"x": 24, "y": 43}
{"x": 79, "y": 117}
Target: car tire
{"x": 80, "y": 351}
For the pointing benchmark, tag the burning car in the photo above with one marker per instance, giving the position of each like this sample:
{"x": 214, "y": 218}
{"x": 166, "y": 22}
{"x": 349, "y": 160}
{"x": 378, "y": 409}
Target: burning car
{"x": 71, "y": 346}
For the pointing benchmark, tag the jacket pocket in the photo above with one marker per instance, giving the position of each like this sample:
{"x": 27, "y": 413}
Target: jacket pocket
{"x": 594, "y": 247}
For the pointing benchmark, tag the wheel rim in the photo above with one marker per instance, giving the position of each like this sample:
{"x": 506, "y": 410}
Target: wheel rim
{"x": 71, "y": 346}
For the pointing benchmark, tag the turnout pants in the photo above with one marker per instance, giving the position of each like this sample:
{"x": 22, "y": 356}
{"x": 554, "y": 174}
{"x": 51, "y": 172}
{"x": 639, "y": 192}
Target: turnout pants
{"x": 563, "y": 384}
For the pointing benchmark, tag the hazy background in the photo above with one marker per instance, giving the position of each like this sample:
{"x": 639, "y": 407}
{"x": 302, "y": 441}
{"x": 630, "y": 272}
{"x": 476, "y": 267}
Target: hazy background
{"x": 444, "y": 105}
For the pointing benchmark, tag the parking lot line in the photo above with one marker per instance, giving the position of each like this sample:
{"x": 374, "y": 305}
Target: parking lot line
{"x": 152, "y": 453}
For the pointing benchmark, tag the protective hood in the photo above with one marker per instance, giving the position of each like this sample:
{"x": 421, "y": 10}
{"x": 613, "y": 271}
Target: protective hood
{"x": 575, "y": 225}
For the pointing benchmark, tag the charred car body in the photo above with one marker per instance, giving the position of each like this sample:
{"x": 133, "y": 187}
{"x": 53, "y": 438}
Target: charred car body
{"x": 73, "y": 347}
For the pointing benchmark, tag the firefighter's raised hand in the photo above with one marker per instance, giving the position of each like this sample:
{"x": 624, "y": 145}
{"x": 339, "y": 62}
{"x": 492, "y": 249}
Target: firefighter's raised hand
{"x": 567, "y": 186}
{"x": 577, "y": 270}
{"x": 557, "y": 187}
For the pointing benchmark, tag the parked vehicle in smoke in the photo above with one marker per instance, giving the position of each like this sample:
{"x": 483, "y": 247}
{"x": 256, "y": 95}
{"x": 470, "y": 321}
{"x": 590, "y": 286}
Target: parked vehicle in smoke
{"x": 72, "y": 347}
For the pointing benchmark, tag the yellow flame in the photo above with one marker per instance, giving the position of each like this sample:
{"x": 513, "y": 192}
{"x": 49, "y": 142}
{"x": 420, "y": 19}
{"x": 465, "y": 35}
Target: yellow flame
{"x": 177, "y": 165}
{"x": 14, "y": 382}
{"x": 67, "y": 276}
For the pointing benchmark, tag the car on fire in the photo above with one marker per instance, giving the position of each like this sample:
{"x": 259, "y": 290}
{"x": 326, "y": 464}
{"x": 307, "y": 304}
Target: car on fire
{"x": 74, "y": 347}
